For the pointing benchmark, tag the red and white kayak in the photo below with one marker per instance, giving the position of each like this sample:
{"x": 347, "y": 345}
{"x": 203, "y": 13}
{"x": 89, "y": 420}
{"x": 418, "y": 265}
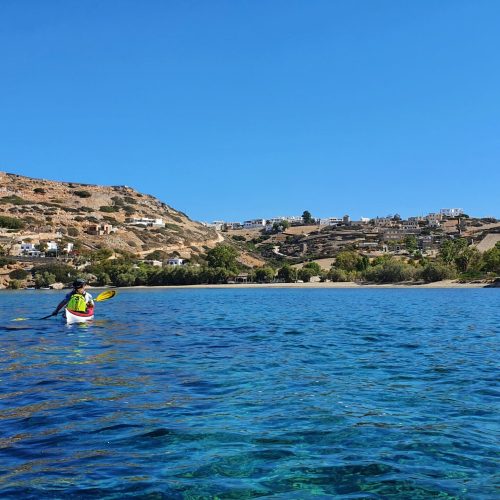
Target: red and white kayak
{"x": 78, "y": 317}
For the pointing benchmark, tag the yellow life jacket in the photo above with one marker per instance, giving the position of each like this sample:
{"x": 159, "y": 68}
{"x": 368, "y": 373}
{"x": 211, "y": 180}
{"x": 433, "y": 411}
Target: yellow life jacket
{"x": 77, "y": 303}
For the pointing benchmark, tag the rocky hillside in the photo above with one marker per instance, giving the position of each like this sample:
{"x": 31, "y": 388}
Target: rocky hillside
{"x": 67, "y": 212}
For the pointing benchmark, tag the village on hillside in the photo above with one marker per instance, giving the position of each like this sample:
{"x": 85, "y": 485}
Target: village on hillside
{"x": 50, "y": 230}
{"x": 319, "y": 238}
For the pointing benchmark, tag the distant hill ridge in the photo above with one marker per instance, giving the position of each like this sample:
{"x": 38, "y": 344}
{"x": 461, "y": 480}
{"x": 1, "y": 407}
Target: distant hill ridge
{"x": 68, "y": 210}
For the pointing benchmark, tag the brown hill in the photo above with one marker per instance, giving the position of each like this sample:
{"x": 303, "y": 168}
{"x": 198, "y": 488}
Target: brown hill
{"x": 68, "y": 212}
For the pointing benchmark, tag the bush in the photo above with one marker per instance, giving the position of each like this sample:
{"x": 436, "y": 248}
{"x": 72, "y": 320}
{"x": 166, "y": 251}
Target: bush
{"x": 390, "y": 271}
{"x": 338, "y": 274}
{"x": 82, "y": 194}
{"x": 109, "y": 209}
{"x": 11, "y": 222}
{"x": 14, "y": 200}
{"x": 39, "y": 191}
{"x": 437, "y": 271}
{"x": 18, "y": 274}
{"x": 73, "y": 231}
{"x": 15, "y": 284}
{"x": 305, "y": 274}
{"x": 314, "y": 267}
{"x": 62, "y": 272}
{"x": 44, "y": 279}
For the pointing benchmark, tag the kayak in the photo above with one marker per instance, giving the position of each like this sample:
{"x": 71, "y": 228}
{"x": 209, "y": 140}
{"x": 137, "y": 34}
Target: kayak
{"x": 78, "y": 317}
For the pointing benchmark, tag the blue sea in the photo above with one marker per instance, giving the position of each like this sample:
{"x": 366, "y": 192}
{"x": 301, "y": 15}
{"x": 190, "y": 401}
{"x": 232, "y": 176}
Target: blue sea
{"x": 252, "y": 393}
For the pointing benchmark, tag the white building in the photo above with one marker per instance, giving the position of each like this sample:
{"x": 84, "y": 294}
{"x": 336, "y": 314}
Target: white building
{"x": 175, "y": 262}
{"x": 52, "y": 246}
{"x": 27, "y": 247}
{"x": 451, "y": 212}
{"x": 249, "y": 224}
{"x": 292, "y": 219}
{"x": 330, "y": 221}
{"x": 146, "y": 221}
{"x": 216, "y": 224}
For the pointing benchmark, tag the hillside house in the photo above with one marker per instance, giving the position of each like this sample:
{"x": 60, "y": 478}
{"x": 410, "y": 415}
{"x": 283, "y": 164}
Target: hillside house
{"x": 394, "y": 235}
{"x": 233, "y": 225}
{"x": 410, "y": 226}
{"x": 175, "y": 262}
{"x": 52, "y": 246}
{"x": 330, "y": 221}
{"x": 100, "y": 229}
{"x": 451, "y": 212}
{"x": 216, "y": 224}
{"x": 254, "y": 223}
{"x": 146, "y": 222}
{"x": 26, "y": 247}
{"x": 425, "y": 243}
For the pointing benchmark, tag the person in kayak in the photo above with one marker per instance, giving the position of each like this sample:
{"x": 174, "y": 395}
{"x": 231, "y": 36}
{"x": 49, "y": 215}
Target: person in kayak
{"x": 78, "y": 300}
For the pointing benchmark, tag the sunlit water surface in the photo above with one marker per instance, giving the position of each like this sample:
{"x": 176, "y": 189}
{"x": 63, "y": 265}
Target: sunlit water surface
{"x": 252, "y": 393}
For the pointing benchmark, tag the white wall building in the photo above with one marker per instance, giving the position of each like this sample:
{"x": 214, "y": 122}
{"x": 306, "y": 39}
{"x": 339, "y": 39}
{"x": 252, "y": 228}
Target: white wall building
{"x": 451, "y": 212}
{"x": 26, "y": 247}
{"x": 175, "y": 262}
{"x": 249, "y": 224}
{"x": 52, "y": 246}
{"x": 330, "y": 221}
{"x": 146, "y": 221}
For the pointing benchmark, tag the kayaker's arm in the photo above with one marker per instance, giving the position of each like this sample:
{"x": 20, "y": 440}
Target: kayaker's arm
{"x": 60, "y": 306}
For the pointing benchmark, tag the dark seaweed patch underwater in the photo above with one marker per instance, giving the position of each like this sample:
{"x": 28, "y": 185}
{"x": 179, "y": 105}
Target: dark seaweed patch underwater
{"x": 253, "y": 393}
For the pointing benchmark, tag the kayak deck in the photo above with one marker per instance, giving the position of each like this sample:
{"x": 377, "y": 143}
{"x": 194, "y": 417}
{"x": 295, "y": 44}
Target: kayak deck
{"x": 78, "y": 317}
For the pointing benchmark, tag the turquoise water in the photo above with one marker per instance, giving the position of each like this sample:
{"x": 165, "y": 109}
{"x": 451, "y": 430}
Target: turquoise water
{"x": 269, "y": 393}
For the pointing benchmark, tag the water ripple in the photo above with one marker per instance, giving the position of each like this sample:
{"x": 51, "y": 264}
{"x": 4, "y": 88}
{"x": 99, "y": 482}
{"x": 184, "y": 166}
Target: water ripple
{"x": 254, "y": 394}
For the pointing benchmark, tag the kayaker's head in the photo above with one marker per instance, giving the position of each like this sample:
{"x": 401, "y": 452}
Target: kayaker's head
{"x": 79, "y": 284}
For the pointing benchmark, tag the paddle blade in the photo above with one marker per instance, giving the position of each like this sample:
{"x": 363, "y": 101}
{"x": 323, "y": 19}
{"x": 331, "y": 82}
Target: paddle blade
{"x": 108, "y": 294}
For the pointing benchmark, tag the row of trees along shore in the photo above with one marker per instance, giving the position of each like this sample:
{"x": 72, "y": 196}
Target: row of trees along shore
{"x": 456, "y": 260}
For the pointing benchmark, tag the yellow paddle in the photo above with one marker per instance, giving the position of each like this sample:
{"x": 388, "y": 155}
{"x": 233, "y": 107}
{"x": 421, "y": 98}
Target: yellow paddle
{"x": 106, "y": 295}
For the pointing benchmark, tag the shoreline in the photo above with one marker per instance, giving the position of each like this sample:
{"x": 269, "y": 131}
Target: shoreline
{"x": 336, "y": 285}
{"x": 348, "y": 285}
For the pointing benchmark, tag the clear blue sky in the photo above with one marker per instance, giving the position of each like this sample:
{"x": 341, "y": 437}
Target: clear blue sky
{"x": 237, "y": 109}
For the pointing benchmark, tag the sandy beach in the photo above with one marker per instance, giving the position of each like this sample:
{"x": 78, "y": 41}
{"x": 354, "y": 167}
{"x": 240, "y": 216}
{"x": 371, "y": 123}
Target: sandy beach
{"x": 349, "y": 285}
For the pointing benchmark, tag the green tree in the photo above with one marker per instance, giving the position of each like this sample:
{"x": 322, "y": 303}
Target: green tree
{"x": 437, "y": 271}
{"x": 305, "y": 274}
{"x": 279, "y": 227}
{"x": 307, "y": 217}
{"x": 18, "y": 274}
{"x": 264, "y": 274}
{"x": 223, "y": 256}
{"x": 470, "y": 259}
{"x": 44, "y": 279}
{"x": 451, "y": 250}
{"x": 287, "y": 273}
{"x": 347, "y": 260}
{"x": 390, "y": 271}
{"x": 15, "y": 284}
{"x": 363, "y": 263}
{"x": 336, "y": 275}
{"x": 411, "y": 244}
{"x": 491, "y": 259}
{"x": 314, "y": 267}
